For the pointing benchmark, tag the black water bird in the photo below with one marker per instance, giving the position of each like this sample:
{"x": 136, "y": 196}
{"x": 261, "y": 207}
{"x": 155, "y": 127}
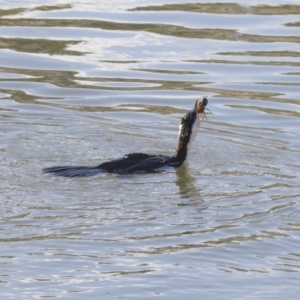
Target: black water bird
{"x": 141, "y": 162}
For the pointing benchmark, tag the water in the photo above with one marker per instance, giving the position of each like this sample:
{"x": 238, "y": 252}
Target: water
{"x": 82, "y": 83}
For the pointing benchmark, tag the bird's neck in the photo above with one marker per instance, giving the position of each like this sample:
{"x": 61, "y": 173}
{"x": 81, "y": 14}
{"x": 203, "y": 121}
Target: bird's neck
{"x": 185, "y": 140}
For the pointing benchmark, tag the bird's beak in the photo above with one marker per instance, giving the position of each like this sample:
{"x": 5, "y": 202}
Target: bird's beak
{"x": 203, "y": 115}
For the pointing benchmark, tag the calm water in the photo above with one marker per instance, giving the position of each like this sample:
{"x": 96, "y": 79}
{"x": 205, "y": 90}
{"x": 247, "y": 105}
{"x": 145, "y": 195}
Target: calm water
{"x": 81, "y": 83}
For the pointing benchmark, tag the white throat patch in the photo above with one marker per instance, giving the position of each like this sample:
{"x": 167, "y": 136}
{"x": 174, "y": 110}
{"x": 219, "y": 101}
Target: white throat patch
{"x": 195, "y": 130}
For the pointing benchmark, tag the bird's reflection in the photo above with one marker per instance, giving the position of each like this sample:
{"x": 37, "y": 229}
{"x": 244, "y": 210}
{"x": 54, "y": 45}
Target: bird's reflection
{"x": 186, "y": 183}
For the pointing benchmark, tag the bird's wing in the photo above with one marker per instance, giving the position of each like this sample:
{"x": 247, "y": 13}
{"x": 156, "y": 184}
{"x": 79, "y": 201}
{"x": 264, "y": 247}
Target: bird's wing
{"x": 137, "y": 156}
{"x": 151, "y": 164}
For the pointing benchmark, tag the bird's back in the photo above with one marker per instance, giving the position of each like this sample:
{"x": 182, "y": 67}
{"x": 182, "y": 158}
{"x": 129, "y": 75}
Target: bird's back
{"x": 130, "y": 163}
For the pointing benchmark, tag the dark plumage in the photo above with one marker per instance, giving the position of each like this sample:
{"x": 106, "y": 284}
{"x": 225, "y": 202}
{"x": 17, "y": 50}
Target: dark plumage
{"x": 141, "y": 162}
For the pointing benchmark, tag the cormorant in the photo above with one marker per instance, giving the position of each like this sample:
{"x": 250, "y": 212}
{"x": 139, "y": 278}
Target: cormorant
{"x": 140, "y": 162}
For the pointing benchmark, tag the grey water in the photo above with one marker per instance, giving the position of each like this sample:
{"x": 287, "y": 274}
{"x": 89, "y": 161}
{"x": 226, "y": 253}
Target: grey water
{"x": 83, "y": 82}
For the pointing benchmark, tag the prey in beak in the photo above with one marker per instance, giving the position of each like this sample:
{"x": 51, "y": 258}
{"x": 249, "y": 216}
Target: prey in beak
{"x": 200, "y": 107}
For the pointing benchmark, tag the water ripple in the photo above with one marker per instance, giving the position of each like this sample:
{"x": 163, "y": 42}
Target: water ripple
{"x": 83, "y": 83}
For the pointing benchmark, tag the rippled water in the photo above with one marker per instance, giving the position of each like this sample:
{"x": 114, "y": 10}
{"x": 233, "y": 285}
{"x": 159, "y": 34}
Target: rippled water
{"x": 81, "y": 83}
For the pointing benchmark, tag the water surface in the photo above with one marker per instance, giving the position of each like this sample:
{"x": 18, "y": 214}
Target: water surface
{"x": 82, "y": 83}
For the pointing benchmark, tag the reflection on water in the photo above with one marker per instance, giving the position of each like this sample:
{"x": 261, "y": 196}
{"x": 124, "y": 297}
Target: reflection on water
{"x": 83, "y": 83}
{"x": 186, "y": 183}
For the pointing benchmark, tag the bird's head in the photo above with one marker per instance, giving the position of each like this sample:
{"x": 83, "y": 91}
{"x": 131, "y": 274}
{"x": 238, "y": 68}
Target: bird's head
{"x": 189, "y": 126}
